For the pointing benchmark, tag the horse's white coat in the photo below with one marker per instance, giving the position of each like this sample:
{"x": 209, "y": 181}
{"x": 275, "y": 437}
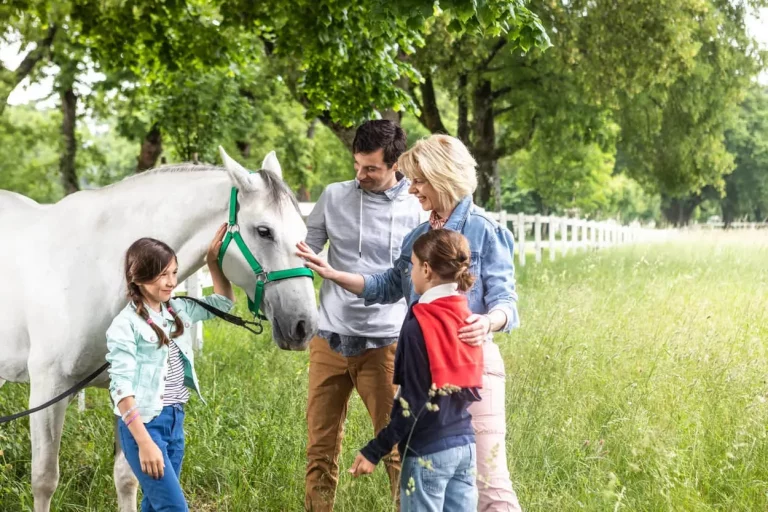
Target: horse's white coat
{"x": 62, "y": 272}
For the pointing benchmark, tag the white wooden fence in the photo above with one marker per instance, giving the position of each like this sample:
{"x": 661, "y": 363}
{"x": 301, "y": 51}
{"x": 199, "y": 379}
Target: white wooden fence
{"x": 564, "y": 235}
{"x": 732, "y": 225}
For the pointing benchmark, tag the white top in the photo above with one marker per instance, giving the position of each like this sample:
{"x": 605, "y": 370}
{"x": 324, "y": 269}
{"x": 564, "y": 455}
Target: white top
{"x": 438, "y": 292}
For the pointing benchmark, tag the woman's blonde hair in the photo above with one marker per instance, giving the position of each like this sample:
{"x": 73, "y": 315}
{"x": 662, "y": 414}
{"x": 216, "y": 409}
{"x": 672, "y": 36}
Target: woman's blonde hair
{"x": 445, "y": 162}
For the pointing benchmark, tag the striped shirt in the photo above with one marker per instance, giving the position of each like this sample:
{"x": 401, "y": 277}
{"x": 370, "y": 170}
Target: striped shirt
{"x": 175, "y": 390}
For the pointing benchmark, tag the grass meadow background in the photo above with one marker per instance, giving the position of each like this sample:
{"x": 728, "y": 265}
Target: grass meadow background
{"x": 637, "y": 382}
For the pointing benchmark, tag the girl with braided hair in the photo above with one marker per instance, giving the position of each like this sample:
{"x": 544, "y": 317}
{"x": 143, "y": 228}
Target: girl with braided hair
{"x": 152, "y": 366}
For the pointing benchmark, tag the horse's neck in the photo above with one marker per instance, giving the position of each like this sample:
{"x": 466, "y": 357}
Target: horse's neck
{"x": 183, "y": 209}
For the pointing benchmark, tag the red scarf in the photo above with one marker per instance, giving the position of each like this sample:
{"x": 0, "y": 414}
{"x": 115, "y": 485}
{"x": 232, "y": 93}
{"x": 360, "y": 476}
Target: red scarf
{"x": 451, "y": 361}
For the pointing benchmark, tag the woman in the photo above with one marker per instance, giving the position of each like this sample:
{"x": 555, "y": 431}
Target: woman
{"x": 443, "y": 178}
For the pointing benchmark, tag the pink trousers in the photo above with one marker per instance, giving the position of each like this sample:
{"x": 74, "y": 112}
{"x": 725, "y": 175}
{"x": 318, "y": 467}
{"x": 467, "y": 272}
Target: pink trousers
{"x": 489, "y": 421}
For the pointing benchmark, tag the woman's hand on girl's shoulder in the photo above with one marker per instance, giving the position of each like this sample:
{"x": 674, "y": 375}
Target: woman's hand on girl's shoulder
{"x": 477, "y": 329}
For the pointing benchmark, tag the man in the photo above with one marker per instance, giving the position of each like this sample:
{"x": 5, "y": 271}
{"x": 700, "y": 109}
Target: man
{"x": 364, "y": 220}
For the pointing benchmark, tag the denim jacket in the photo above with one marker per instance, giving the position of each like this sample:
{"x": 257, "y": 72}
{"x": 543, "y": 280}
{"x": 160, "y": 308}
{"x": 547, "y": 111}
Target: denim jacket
{"x": 139, "y": 363}
{"x": 492, "y": 265}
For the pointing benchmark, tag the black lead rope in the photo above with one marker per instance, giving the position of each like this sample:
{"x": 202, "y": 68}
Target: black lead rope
{"x": 71, "y": 391}
{"x": 232, "y": 319}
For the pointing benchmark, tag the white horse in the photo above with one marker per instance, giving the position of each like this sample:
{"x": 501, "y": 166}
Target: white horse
{"x": 61, "y": 268}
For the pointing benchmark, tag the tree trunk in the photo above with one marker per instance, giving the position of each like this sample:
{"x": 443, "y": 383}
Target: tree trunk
{"x": 244, "y": 147}
{"x": 150, "y": 149}
{"x": 679, "y": 210}
{"x": 304, "y": 195}
{"x": 430, "y": 113}
{"x": 345, "y": 134}
{"x": 463, "y": 124}
{"x": 68, "y": 142}
{"x": 484, "y": 147}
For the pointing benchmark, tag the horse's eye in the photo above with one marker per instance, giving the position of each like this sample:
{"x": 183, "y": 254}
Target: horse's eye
{"x": 265, "y": 232}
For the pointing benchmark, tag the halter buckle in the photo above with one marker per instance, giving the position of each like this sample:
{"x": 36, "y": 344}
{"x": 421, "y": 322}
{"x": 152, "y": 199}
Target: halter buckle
{"x": 233, "y": 228}
{"x": 262, "y": 277}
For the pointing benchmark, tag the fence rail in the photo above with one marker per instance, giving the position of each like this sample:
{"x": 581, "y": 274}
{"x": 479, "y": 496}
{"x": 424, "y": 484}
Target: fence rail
{"x": 732, "y": 225}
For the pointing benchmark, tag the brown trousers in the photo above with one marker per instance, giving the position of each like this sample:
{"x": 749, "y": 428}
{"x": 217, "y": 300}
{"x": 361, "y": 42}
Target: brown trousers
{"x": 331, "y": 380}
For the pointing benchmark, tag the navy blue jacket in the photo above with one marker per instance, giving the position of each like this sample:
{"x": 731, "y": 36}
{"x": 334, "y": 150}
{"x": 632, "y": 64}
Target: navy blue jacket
{"x": 434, "y": 431}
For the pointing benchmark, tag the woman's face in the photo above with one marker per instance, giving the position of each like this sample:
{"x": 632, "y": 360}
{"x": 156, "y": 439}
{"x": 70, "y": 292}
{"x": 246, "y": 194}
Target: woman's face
{"x": 425, "y": 193}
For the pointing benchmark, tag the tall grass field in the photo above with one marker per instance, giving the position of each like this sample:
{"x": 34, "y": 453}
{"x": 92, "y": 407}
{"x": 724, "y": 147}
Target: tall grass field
{"x": 638, "y": 381}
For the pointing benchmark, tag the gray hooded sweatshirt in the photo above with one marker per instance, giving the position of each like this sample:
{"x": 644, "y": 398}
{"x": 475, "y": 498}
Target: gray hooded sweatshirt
{"x": 365, "y": 230}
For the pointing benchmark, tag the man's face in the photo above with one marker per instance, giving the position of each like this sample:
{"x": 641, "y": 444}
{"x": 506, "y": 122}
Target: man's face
{"x": 372, "y": 172}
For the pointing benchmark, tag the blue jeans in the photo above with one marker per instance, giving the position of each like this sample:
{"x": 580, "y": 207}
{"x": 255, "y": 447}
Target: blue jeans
{"x": 167, "y": 431}
{"x": 447, "y": 485}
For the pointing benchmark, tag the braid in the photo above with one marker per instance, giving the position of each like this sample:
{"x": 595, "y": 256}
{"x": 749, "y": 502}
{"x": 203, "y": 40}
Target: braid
{"x": 178, "y": 325}
{"x": 134, "y": 293}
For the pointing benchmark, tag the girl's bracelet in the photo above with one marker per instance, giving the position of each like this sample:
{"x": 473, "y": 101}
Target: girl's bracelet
{"x": 129, "y": 411}
{"x": 135, "y": 415}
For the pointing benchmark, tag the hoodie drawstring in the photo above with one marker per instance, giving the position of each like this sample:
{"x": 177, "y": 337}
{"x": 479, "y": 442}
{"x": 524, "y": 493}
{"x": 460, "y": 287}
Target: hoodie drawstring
{"x": 360, "y": 224}
{"x": 391, "y": 232}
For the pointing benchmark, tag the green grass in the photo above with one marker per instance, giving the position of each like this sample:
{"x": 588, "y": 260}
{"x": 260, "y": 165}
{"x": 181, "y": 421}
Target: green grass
{"x": 637, "y": 382}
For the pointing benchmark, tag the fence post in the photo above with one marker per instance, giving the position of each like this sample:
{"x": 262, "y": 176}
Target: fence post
{"x": 521, "y": 238}
{"x": 81, "y": 401}
{"x": 564, "y": 235}
{"x": 551, "y": 228}
{"x": 537, "y": 237}
{"x": 574, "y": 246}
{"x": 195, "y": 290}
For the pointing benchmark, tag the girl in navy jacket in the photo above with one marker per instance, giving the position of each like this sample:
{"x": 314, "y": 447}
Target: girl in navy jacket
{"x": 438, "y": 377}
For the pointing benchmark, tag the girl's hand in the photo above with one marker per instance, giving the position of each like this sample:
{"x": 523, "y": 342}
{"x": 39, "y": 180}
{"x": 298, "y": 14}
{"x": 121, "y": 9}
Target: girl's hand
{"x": 361, "y": 466}
{"x": 315, "y": 262}
{"x": 476, "y": 330}
{"x": 151, "y": 459}
{"x": 212, "y": 256}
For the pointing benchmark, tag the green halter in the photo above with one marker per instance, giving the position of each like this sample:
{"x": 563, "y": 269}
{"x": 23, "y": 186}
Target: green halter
{"x": 262, "y": 277}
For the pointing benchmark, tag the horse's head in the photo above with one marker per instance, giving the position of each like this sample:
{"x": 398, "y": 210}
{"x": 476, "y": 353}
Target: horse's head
{"x": 270, "y": 224}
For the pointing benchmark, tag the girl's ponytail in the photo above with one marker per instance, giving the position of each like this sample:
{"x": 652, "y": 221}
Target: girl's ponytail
{"x": 464, "y": 277}
{"x": 448, "y": 254}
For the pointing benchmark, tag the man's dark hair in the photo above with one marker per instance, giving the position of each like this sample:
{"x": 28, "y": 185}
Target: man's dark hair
{"x": 380, "y": 134}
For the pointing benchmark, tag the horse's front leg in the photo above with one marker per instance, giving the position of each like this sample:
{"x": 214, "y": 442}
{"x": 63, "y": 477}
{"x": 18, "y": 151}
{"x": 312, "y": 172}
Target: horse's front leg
{"x": 46, "y": 427}
{"x": 125, "y": 481}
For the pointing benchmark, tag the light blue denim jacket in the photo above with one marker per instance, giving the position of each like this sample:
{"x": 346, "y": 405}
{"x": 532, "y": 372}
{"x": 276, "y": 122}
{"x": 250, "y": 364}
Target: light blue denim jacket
{"x": 139, "y": 363}
{"x": 492, "y": 264}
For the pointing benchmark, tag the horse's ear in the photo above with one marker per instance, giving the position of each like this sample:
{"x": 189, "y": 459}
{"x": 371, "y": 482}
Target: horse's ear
{"x": 237, "y": 173}
{"x": 270, "y": 163}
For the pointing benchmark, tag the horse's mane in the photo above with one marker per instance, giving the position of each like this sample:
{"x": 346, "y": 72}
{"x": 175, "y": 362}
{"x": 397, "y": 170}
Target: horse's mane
{"x": 275, "y": 186}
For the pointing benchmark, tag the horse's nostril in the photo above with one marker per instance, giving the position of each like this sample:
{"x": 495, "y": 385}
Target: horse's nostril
{"x": 301, "y": 329}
